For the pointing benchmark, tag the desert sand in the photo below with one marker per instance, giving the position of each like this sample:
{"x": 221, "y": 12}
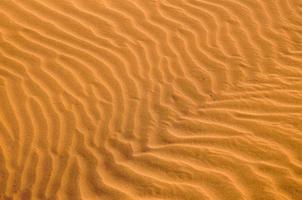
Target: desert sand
{"x": 151, "y": 99}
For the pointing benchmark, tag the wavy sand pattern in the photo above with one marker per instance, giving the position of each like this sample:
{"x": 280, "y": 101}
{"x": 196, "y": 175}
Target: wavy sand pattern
{"x": 151, "y": 99}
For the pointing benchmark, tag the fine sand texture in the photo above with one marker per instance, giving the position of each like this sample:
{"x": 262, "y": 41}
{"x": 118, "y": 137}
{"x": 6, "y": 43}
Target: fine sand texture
{"x": 150, "y": 99}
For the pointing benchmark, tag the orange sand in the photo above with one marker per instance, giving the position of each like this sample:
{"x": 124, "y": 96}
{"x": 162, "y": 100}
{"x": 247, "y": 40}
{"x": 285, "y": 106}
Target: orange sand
{"x": 151, "y": 99}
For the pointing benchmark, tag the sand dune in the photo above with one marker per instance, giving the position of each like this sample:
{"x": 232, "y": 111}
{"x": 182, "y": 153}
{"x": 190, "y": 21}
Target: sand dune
{"x": 151, "y": 99}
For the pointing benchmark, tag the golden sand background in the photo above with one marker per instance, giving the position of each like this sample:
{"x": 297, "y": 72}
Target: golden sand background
{"x": 151, "y": 99}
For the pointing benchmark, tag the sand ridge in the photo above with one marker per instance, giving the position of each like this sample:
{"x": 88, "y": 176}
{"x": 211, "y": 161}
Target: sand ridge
{"x": 151, "y": 99}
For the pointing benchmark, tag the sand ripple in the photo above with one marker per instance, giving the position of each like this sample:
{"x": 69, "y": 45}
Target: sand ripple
{"x": 151, "y": 99}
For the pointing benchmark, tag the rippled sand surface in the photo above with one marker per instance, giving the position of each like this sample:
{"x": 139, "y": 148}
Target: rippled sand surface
{"x": 151, "y": 99}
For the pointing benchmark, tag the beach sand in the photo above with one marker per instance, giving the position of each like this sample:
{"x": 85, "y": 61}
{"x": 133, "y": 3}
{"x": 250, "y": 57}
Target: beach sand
{"x": 151, "y": 99}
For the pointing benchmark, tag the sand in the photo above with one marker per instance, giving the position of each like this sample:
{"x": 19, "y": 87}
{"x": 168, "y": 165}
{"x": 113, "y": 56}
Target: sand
{"x": 151, "y": 99}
